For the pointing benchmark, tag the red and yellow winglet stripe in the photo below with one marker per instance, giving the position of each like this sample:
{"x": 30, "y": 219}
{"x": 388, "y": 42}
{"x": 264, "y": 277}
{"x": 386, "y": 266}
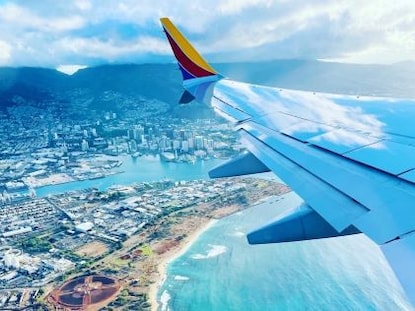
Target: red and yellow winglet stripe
{"x": 192, "y": 64}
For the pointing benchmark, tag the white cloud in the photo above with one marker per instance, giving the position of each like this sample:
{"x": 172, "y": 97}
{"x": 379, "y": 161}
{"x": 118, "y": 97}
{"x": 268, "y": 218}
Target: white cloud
{"x": 112, "y": 49}
{"x": 5, "y": 50}
{"x": 21, "y": 18}
{"x": 83, "y": 5}
{"x": 235, "y": 6}
{"x": 52, "y": 33}
{"x": 70, "y": 69}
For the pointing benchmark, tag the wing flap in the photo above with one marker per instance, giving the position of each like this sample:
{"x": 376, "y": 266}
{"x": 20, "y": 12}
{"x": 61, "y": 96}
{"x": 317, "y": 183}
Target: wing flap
{"x": 334, "y": 141}
{"x": 384, "y": 195}
{"x": 383, "y": 154}
{"x": 301, "y": 223}
{"x": 305, "y": 130}
{"x": 409, "y": 176}
{"x": 324, "y": 150}
{"x": 339, "y": 210}
{"x": 400, "y": 254}
{"x": 244, "y": 164}
{"x": 231, "y": 112}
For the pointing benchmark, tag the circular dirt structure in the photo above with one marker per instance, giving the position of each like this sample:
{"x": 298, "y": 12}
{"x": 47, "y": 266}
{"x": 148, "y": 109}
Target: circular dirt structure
{"x": 86, "y": 292}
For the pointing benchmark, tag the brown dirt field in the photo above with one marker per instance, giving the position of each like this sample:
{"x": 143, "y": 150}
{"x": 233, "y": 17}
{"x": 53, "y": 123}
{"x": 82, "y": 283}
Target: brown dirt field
{"x": 93, "y": 249}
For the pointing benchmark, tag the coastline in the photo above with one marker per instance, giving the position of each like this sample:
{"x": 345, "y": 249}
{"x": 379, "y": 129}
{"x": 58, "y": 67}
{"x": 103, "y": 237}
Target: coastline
{"x": 142, "y": 261}
{"x": 165, "y": 259}
{"x": 193, "y": 226}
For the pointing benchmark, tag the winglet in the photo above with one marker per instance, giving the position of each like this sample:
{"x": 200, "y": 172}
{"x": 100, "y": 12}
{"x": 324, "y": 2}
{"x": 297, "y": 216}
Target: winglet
{"x": 191, "y": 63}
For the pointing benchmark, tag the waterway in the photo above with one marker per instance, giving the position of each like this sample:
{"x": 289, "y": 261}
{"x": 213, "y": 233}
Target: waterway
{"x": 143, "y": 169}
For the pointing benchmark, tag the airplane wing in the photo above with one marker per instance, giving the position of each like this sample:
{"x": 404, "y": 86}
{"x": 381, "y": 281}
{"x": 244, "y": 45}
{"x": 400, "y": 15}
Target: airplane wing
{"x": 351, "y": 159}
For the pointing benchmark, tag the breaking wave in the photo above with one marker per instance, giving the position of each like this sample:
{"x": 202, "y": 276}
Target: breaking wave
{"x": 214, "y": 251}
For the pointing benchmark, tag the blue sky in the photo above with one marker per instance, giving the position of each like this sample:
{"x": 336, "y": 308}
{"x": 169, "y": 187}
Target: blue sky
{"x": 53, "y": 33}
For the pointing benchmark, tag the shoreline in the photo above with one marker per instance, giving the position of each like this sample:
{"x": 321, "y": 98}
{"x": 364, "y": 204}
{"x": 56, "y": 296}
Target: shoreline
{"x": 169, "y": 257}
{"x": 142, "y": 261}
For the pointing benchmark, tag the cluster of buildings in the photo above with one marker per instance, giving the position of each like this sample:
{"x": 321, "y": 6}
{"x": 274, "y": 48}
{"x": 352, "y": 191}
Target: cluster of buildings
{"x": 200, "y": 138}
{"x": 121, "y": 211}
{"x": 26, "y": 216}
{"x": 23, "y": 274}
{"x": 42, "y": 237}
{"x": 19, "y": 269}
{"x": 43, "y": 145}
{"x": 14, "y": 299}
{"x": 23, "y": 127}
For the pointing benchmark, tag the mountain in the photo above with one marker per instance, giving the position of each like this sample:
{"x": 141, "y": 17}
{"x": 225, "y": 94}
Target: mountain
{"x": 143, "y": 79}
{"x": 394, "y": 80}
{"x": 33, "y": 84}
{"x": 162, "y": 82}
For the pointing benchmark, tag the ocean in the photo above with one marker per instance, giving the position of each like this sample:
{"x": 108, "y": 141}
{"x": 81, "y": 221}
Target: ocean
{"x": 220, "y": 271}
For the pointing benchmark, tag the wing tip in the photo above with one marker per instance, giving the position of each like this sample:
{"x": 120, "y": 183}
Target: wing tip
{"x": 192, "y": 65}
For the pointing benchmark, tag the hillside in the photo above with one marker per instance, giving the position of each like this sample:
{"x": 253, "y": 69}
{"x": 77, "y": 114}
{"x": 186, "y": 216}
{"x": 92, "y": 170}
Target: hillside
{"x": 162, "y": 82}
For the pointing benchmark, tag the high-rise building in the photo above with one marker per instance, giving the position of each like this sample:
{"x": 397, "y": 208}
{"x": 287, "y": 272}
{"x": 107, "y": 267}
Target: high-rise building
{"x": 2, "y": 200}
{"x": 150, "y": 134}
{"x": 164, "y": 143}
{"x": 130, "y": 134}
{"x": 205, "y": 143}
{"x": 185, "y": 146}
{"x": 156, "y": 129}
{"x": 65, "y": 148}
{"x": 138, "y": 134}
{"x": 84, "y": 145}
{"x": 191, "y": 143}
{"x": 169, "y": 133}
{"x": 176, "y": 144}
{"x": 198, "y": 142}
{"x": 132, "y": 146}
{"x": 210, "y": 144}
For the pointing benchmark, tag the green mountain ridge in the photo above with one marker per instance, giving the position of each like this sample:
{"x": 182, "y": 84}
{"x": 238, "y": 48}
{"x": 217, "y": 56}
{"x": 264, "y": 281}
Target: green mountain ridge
{"x": 163, "y": 81}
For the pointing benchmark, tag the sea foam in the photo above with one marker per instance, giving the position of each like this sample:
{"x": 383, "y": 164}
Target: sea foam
{"x": 181, "y": 278}
{"x": 164, "y": 301}
{"x": 238, "y": 234}
{"x": 214, "y": 251}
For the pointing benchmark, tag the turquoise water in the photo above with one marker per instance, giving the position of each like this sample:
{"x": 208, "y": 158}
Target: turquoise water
{"x": 145, "y": 168}
{"x": 220, "y": 271}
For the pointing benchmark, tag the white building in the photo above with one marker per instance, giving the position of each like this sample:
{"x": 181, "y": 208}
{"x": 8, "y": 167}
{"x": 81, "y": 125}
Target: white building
{"x": 84, "y": 145}
{"x": 17, "y": 231}
{"x": 11, "y": 260}
{"x": 84, "y": 227}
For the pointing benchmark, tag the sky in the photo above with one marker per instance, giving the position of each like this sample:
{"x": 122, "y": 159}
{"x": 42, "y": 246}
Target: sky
{"x": 68, "y": 34}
